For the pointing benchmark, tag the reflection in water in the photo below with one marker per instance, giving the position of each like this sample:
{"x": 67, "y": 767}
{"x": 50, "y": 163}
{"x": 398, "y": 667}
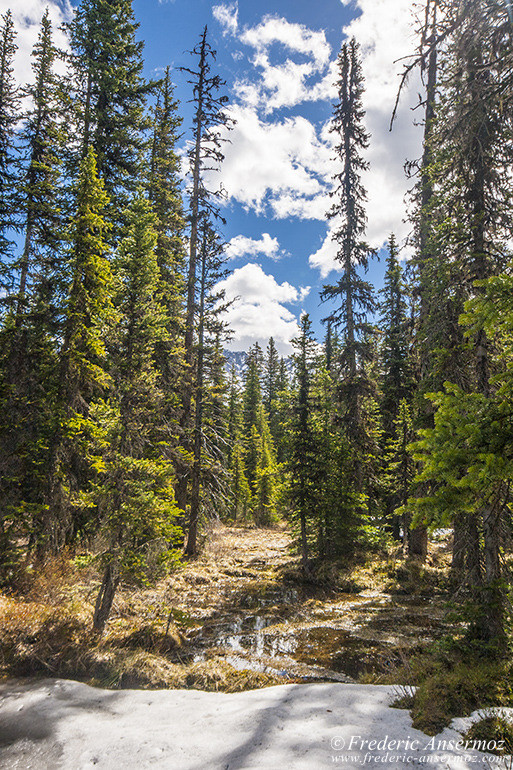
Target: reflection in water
{"x": 278, "y": 630}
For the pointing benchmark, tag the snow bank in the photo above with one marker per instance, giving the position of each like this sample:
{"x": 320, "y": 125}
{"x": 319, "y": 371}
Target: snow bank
{"x": 54, "y": 724}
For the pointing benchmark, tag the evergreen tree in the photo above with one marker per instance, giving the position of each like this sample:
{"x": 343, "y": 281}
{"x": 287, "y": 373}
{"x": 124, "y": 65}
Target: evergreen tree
{"x": 251, "y": 400}
{"x": 27, "y": 364}
{"x": 83, "y": 376}
{"x": 270, "y": 382}
{"x": 42, "y": 137}
{"x": 469, "y": 150}
{"x": 303, "y": 453}
{"x": 396, "y": 374}
{"x": 205, "y": 151}
{"x": 164, "y": 192}
{"x": 110, "y": 96}
{"x": 9, "y": 115}
{"x": 265, "y": 483}
{"x": 209, "y": 311}
{"x": 400, "y": 470}
{"x": 234, "y": 411}
{"x": 216, "y": 423}
{"x": 354, "y": 294}
{"x": 240, "y": 493}
{"x": 135, "y": 491}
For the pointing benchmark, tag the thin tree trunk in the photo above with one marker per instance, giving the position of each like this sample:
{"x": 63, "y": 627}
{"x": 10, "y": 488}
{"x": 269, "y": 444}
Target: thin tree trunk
{"x": 418, "y": 537}
{"x": 191, "y": 547}
{"x": 106, "y": 595}
{"x": 458, "y": 548}
{"x": 182, "y": 485}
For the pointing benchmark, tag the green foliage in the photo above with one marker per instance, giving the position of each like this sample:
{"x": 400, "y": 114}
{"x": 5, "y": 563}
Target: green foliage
{"x": 110, "y": 95}
{"x": 396, "y": 375}
{"x": 492, "y": 732}
{"x": 9, "y": 113}
{"x": 240, "y": 493}
{"x": 135, "y": 499}
{"x": 89, "y": 309}
{"x": 265, "y": 480}
{"x": 453, "y": 683}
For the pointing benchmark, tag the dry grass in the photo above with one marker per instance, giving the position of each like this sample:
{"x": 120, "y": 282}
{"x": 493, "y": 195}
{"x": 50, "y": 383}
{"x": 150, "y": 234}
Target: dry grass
{"x": 46, "y": 625}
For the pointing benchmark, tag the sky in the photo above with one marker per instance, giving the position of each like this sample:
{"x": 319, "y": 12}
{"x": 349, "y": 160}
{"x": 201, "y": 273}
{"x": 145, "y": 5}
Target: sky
{"x": 278, "y": 60}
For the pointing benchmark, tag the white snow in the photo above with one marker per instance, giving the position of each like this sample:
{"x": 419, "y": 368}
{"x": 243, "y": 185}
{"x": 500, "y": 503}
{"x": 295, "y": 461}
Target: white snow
{"x": 54, "y": 724}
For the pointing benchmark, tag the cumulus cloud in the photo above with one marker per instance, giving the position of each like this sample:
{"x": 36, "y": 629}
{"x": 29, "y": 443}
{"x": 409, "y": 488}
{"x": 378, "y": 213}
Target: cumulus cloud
{"x": 258, "y": 311}
{"x": 280, "y": 164}
{"x": 240, "y": 246}
{"x": 289, "y": 83}
{"x": 294, "y": 37}
{"x": 27, "y": 19}
{"x": 227, "y": 16}
{"x": 324, "y": 258}
{"x": 385, "y": 32}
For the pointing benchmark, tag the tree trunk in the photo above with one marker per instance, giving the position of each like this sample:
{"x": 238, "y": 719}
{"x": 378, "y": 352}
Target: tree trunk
{"x": 418, "y": 542}
{"x": 418, "y": 537}
{"x": 105, "y": 597}
{"x": 191, "y": 547}
{"x": 458, "y": 548}
{"x": 181, "y": 487}
{"x": 493, "y": 594}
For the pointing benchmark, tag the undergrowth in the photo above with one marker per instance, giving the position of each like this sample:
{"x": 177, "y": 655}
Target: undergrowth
{"x": 45, "y": 630}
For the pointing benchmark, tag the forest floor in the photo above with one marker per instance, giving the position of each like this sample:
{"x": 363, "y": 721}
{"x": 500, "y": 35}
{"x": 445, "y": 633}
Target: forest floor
{"x": 239, "y": 617}
{"x": 307, "y": 667}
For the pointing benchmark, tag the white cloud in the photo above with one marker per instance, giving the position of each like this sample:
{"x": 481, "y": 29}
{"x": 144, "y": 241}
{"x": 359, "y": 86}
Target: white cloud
{"x": 27, "y": 19}
{"x": 282, "y": 164}
{"x": 324, "y": 258}
{"x": 240, "y": 246}
{"x": 294, "y": 37}
{"x": 258, "y": 311}
{"x": 289, "y": 83}
{"x": 227, "y": 16}
{"x": 385, "y": 32}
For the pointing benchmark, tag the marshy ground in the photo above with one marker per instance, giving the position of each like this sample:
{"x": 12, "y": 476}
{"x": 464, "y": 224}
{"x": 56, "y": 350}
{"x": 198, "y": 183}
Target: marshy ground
{"x": 238, "y": 617}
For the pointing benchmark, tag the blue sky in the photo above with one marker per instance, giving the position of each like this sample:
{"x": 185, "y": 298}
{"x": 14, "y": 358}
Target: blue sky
{"x": 278, "y": 61}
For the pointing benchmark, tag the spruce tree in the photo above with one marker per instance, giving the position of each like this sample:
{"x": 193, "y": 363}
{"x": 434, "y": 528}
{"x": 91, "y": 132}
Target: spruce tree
{"x": 205, "y": 152}
{"x": 9, "y": 116}
{"x": 251, "y": 401}
{"x": 210, "y": 309}
{"x": 396, "y": 370}
{"x": 83, "y": 378}
{"x": 135, "y": 492}
{"x": 110, "y": 95}
{"x": 354, "y": 295}
{"x": 303, "y": 452}
{"x": 165, "y": 195}
{"x": 33, "y": 300}
{"x": 234, "y": 411}
{"x": 42, "y": 138}
{"x": 265, "y": 483}
{"x": 400, "y": 471}
{"x": 240, "y": 493}
{"x": 270, "y": 382}
{"x": 469, "y": 149}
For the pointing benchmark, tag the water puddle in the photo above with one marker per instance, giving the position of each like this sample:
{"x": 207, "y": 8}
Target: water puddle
{"x": 309, "y": 634}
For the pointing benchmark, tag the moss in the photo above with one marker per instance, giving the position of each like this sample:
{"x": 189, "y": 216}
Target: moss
{"x": 493, "y": 731}
{"x": 453, "y": 688}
